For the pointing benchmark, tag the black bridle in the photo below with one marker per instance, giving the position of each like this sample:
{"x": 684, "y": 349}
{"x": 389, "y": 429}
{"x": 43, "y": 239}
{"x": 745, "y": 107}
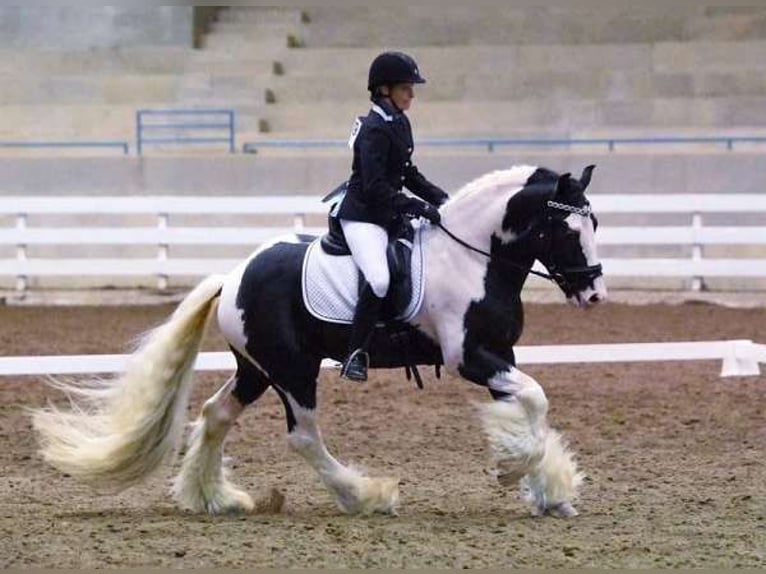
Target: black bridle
{"x": 565, "y": 278}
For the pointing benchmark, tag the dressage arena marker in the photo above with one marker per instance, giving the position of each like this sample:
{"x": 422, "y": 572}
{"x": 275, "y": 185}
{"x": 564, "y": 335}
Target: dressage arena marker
{"x": 740, "y": 357}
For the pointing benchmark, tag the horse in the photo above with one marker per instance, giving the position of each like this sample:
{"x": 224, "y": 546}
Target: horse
{"x": 493, "y": 230}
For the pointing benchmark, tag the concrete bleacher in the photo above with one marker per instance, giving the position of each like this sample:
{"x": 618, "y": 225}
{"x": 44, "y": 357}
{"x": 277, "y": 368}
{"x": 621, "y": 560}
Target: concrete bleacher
{"x": 482, "y": 72}
{"x": 135, "y": 59}
{"x": 512, "y": 22}
{"x": 512, "y": 69}
{"x": 74, "y": 91}
{"x": 494, "y": 70}
{"x": 502, "y": 70}
{"x": 531, "y": 116}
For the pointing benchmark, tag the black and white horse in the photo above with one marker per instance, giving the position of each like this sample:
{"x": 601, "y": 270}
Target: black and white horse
{"x": 494, "y": 229}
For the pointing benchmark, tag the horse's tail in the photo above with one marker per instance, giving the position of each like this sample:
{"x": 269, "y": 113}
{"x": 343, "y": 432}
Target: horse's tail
{"x": 121, "y": 430}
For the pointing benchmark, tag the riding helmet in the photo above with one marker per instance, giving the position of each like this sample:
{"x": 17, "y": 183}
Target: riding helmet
{"x": 391, "y": 68}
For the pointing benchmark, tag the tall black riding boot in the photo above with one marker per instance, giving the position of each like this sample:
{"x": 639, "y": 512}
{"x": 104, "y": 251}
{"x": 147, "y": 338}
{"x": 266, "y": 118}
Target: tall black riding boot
{"x": 366, "y": 315}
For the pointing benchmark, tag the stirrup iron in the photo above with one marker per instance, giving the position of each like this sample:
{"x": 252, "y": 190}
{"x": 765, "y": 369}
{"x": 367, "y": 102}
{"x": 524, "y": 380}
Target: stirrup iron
{"x": 355, "y": 366}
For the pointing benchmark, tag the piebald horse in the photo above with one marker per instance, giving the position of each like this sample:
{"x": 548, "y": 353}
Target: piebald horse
{"x": 493, "y": 230}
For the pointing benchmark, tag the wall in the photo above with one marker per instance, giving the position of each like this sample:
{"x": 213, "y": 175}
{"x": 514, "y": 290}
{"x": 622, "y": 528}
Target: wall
{"x": 84, "y": 27}
{"x": 247, "y": 175}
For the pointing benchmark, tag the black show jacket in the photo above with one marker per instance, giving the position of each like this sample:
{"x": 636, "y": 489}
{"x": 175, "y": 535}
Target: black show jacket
{"x": 382, "y": 165}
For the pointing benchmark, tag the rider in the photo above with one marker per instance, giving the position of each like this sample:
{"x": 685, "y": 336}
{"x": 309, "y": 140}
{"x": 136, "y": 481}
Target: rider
{"x": 374, "y": 203}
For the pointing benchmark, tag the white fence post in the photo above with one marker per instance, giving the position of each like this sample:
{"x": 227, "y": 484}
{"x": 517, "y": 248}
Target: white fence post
{"x": 299, "y": 222}
{"x": 162, "y": 250}
{"x": 21, "y": 251}
{"x": 697, "y": 283}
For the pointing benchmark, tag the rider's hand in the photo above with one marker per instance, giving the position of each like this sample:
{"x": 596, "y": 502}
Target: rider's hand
{"x": 431, "y": 214}
{"x": 418, "y": 208}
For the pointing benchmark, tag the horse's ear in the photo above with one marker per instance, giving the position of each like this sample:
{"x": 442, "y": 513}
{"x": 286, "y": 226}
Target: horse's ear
{"x": 562, "y": 185}
{"x": 585, "y": 177}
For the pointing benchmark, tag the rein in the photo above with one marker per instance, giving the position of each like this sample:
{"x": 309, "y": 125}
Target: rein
{"x": 556, "y": 278}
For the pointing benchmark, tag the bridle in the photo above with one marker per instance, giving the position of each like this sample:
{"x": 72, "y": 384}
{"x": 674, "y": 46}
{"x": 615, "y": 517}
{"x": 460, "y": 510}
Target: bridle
{"x": 564, "y": 277}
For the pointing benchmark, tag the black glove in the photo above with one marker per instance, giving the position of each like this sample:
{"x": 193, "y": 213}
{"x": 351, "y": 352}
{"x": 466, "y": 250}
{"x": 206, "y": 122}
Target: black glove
{"x": 431, "y": 213}
{"x": 416, "y": 208}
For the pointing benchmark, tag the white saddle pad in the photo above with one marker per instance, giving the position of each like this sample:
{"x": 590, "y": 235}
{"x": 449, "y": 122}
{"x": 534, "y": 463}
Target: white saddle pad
{"x": 331, "y": 284}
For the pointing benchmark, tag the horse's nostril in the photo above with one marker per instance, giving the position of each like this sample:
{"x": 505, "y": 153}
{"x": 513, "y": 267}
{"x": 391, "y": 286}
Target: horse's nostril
{"x": 594, "y": 298}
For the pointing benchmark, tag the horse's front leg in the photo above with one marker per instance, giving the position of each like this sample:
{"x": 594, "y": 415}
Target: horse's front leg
{"x": 524, "y": 447}
{"x": 354, "y": 493}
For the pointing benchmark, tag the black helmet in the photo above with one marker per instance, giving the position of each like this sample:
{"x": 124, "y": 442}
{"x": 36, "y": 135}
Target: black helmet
{"x": 393, "y": 68}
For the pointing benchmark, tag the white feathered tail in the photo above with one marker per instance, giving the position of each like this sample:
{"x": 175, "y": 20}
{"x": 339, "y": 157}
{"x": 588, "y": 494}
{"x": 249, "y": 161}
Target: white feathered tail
{"x": 118, "y": 431}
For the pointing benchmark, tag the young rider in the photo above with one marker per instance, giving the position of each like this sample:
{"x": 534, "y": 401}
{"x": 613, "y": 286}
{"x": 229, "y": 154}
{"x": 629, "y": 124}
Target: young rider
{"x": 374, "y": 203}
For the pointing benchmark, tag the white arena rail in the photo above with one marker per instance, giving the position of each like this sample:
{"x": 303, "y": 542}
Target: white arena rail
{"x": 22, "y": 234}
{"x": 739, "y": 358}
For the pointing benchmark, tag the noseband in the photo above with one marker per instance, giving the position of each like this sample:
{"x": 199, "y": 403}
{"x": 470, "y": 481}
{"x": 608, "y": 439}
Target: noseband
{"x": 566, "y": 277}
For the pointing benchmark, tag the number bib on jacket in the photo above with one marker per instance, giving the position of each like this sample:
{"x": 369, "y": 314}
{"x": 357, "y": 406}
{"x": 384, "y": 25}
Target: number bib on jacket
{"x": 355, "y": 129}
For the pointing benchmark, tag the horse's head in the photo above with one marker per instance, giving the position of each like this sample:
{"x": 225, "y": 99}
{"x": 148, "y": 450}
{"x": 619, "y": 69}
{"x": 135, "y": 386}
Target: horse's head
{"x": 526, "y": 213}
{"x": 565, "y": 241}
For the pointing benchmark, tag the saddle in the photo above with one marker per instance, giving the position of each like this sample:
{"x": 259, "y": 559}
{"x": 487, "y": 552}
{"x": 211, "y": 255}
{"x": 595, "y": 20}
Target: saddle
{"x": 332, "y": 282}
{"x": 399, "y": 258}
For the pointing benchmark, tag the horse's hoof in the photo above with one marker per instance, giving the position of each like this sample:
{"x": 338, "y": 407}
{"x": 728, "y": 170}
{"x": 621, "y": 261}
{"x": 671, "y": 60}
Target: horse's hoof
{"x": 234, "y": 501}
{"x": 562, "y": 510}
{"x": 382, "y": 496}
{"x": 370, "y": 496}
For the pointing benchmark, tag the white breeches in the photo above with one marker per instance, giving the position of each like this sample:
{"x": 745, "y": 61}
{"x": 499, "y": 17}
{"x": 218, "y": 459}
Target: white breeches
{"x": 368, "y": 243}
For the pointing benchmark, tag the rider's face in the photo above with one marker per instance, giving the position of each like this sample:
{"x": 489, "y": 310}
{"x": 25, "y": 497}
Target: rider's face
{"x": 401, "y": 95}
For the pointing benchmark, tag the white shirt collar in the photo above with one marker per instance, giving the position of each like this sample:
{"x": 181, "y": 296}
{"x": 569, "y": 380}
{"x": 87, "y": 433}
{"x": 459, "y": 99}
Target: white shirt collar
{"x": 382, "y": 113}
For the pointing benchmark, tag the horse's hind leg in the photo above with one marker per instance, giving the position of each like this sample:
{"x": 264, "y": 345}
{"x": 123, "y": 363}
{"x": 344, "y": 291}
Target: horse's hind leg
{"x": 354, "y": 493}
{"x": 202, "y": 484}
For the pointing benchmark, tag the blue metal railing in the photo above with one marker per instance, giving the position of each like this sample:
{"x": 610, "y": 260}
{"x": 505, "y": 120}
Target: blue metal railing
{"x": 122, "y": 145}
{"x": 224, "y": 121}
{"x": 492, "y": 143}
{"x": 180, "y": 127}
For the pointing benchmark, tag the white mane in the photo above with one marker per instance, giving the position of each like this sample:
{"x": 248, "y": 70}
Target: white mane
{"x": 516, "y": 176}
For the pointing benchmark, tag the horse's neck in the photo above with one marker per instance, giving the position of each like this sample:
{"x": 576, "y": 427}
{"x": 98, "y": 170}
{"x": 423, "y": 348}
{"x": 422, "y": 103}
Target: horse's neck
{"x": 478, "y": 221}
{"x": 475, "y": 221}
{"x": 477, "y": 211}
{"x": 494, "y": 219}
{"x": 459, "y": 279}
